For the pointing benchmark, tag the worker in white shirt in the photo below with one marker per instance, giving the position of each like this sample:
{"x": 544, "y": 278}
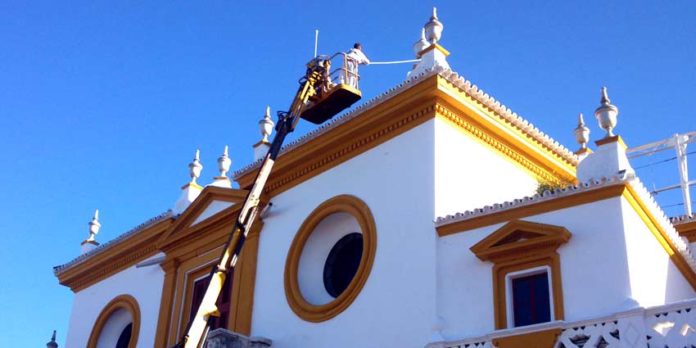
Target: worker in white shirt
{"x": 355, "y": 57}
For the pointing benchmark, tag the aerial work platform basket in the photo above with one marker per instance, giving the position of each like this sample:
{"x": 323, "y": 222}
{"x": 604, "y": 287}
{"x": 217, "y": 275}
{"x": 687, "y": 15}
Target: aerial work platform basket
{"x": 337, "y": 91}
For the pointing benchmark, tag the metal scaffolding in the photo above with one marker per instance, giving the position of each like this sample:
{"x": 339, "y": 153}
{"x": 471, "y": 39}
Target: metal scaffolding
{"x": 678, "y": 142}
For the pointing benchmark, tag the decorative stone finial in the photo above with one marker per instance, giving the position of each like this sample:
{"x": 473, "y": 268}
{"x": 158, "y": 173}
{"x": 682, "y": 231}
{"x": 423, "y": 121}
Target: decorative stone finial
{"x": 582, "y": 133}
{"x": 266, "y": 125}
{"x": 433, "y": 28}
{"x": 606, "y": 114}
{"x": 94, "y": 227}
{"x": 433, "y": 57}
{"x": 195, "y": 167}
{"x": 91, "y": 243}
{"x": 52, "y": 343}
{"x": 224, "y": 162}
{"x": 421, "y": 44}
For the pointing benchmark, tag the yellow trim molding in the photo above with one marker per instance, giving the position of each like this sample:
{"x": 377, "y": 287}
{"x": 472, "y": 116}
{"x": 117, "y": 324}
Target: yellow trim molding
{"x": 517, "y": 246}
{"x": 361, "y": 212}
{"x": 115, "y": 258}
{"x": 434, "y": 46}
{"x": 536, "y": 339}
{"x": 536, "y": 166}
{"x": 660, "y": 234}
{"x": 433, "y": 97}
{"x": 624, "y": 190}
{"x": 192, "y": 256}
{"x": 126, "y": 302}
{"x": 687, "y": 230}
{"x": 612, "y": 139}
{"x": 531, "y": 209}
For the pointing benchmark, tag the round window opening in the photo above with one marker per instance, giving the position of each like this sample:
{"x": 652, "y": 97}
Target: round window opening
{"x": 330, "y": 258}
{"x": 342, "y": 263}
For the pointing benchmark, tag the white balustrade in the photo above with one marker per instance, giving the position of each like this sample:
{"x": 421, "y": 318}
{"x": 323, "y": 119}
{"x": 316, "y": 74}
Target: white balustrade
{"x": 667, "y": 326}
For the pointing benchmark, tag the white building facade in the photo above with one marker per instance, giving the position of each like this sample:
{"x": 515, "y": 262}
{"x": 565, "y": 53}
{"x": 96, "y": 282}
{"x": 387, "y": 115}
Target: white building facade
{"x": 410, "y": 221}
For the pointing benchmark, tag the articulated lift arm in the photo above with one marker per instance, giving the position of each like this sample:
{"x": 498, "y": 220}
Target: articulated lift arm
{"x": 309, "y": 86}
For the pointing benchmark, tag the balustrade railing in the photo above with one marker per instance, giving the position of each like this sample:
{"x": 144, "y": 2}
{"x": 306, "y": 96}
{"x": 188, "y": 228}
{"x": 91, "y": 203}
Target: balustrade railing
{"x": 667, "y": 326}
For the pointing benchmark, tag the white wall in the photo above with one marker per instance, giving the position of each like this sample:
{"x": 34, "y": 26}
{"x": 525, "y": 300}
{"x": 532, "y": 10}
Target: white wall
{"x": 469, "y": 174}
{"x": 655, "y": 279}
{"x": 144, "y": 284}
{"x": 396, "y": 306}
{"x": 604, "y": 267}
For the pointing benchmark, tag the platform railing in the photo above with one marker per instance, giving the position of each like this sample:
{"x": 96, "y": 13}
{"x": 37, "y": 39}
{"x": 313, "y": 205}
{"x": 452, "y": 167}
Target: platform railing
{"x": 666, "y": 326}
{"x": 343, "y": 70}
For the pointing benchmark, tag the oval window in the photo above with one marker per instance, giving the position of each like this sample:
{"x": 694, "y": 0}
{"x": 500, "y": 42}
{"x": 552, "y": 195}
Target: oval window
{"x": 330, "y": 258}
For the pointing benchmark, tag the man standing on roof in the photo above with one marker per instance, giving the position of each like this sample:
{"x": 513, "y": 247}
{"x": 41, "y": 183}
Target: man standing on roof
{"x": 355, "y": 57}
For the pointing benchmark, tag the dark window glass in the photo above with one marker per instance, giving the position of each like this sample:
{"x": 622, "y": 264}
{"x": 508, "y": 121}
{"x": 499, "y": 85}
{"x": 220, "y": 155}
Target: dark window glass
{"x": 223, "y": 302}
{"x": 124, "y": 338}
{"x": 342, "y": 263}
{"x": 530, "y": 299}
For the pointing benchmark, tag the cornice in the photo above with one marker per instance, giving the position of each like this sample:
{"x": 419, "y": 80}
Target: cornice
{"x": 544, "y": 171}
{"x": 57, "y": 270}
{"x": 498, "y": 246}
{"x": 628, "y": 187}
{"x": 404, "y": 107}
{"x": 183, "y": 221}
{"x": 118, "y": 256}
{"x": 503, "y": 113}
{"x": 531, "y": 205}
{"x": 349, "y": 137}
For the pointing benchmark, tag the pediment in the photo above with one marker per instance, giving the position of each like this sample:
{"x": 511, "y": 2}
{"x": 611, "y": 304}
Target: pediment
{"x": 213, "y": 204}
{"x": 519, "y": 238}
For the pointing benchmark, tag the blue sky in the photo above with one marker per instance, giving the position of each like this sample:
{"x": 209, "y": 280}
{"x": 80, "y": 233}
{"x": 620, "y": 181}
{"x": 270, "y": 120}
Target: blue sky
{"x": 102, "y": 104}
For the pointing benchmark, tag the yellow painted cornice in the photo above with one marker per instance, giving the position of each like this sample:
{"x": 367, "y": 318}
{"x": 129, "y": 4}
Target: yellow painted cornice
{"x": 497, "y": 126}
{"x": 434, "y": 46}
{"x": 430, "y": 98}
{"x": 612, "y": 139}
{"x": 586, "y": 150}
{"x": 181, "y": 228}
{"x": 687, "y": 230}
{"x": 114, "y": 258}
{"x": 624, "y": 190}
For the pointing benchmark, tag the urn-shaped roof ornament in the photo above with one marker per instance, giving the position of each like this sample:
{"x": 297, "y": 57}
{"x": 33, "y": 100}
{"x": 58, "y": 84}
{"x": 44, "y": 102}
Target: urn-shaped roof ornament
{"x": 52, "y": 343}
{"x": 266, "y": 125}
{"x": 433, "y": 29}
{"x": 224, "y": 162}
{"x": 582, "y": 133}
{"x": 606, "y": 114}
{"x": 195, "y": 167}
{"x": 94, "y": 227}
{"x": 421, "y": 44}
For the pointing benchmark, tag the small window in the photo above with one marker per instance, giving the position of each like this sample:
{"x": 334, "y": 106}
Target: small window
{"x": 530, "y": 298}
{"x": 342, "y": 263}
{"x": 223, "y": 303}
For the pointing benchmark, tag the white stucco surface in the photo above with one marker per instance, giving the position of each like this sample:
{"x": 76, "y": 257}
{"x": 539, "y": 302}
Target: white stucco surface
{"x": 144, "y": 284}
{"x": 469, "y": 174}
{"x": 113, "y": 328}
{"x": 611, "y": 263}
{"x": 395, "y": 180}
{"x": 655, "y": 280}
{"x": 213, "y": 208}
